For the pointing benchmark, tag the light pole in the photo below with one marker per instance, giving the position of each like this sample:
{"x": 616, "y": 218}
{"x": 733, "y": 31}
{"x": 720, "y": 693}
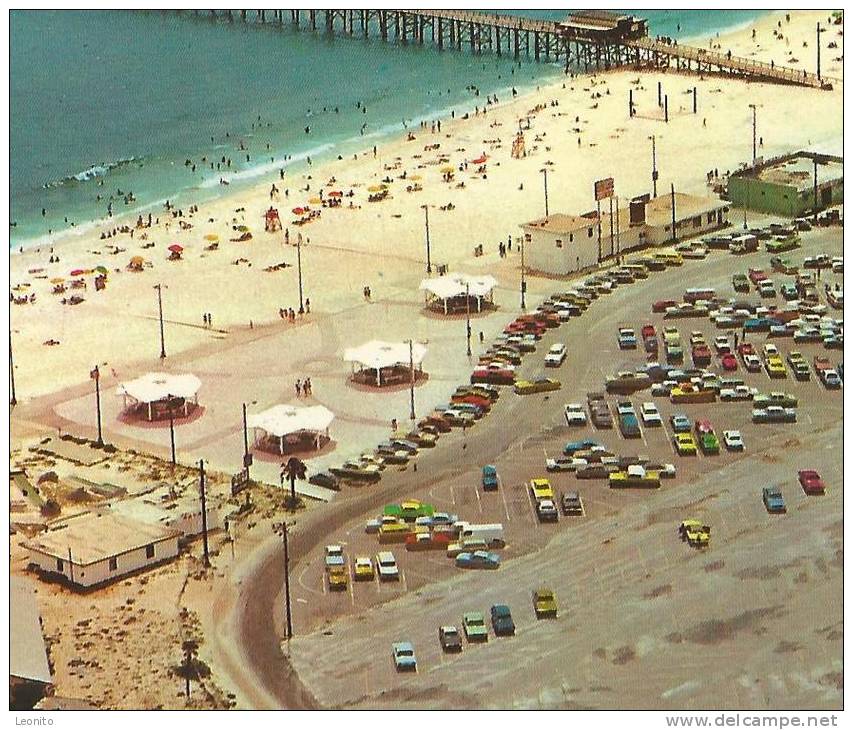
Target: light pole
{"x": 13, "y": 400}
{"x": 203, "y": 513}
{"x": 299, "y": 270}
{"x": 754, "y": 137}
{"x": 426, "y": 226}
{"x": 544, "y": 172}
{"x": 96, "y": 376}
{"x": 654, "y": 169}
{"x": 819, "y": 31}
{"x": 172, "y": 427}
{"x": 288, "y": 618}
{"x": 247, "y": 459}
{"x": 468, "y": 316}
{"x": 159, "y": 288}
{"x": 523, "y": 282}
{"x": 411, "y": 380}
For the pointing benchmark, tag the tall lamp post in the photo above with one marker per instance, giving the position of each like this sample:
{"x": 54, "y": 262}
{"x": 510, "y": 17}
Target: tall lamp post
{"x": 159, "y": 288}
{"x": 654, "y": 169}
{"x": 468, "y": 317}
{"x": 411, "y": 380}
{"x": 288, "y": 618}
{"x": 819, "y": 31}
{"x": 96, "y": 376}
{"x": 523, "y": 282}
{"x": 172, "y": 427}
{"x": 299, "y": 271}
{"x": 247, "y": 457}
{"x": 13, "y": 401}
{"x": 203, "y": 513}
{"x": 426, "y": 227}
{"x": 754, "y": 107}
{"x": 544, "y": 172}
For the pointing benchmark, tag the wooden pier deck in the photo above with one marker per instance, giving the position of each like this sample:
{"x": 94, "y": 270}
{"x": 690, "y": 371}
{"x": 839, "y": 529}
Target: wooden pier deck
{"x": 585, "y": 40}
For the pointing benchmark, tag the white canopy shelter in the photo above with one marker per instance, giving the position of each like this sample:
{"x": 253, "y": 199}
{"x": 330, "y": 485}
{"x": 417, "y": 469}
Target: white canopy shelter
{"x": 289, "y": 423}
{"x": 452, "y": 288}
{"x": 386, "y": 357}
{"x": 161, "y": 388}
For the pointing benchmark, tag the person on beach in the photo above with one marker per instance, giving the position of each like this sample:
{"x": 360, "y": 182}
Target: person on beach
{"x": 307, "y": 307}
{"x": 298, "y": 388}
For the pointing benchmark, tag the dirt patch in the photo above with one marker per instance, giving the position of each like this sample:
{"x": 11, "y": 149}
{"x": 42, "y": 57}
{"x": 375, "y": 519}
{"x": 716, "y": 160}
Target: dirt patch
{"x": 787, "y": 647}
{"x": 624, "y": 654}
{"x": 833, "y": 679}
{"x": 716, "y": 565}
{"x": 663, "y": 590}
{"x": 716, "y": 631}
{"x": 760, "y": 573}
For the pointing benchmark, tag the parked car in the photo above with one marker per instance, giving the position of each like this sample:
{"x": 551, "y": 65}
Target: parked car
{"x": 650, "y": 414}
{"x": 695, "y": 532}
{"x": 564, "y": 463}
{"x": 325, "y": 479}
{"x": 572, "y": 504}
{"x": 575, "y": 414}
{"x": 502, "y": 622}
{"x": 680, "y": 423}
{"x": 490, "y": 478}
{"x": 545, "y": 603}
{"x": 450, "y": 639}
{"x": 546, "y": 510}
{"x": 386, "y": 566}
{"x": 774, "y": 414}
{"x": 737, "y": 393}
{"x": 685, "y": 444}
{"x": 627, "y": 339}
{"x": 474, "y": 626}
{"x": 811, "y": 482}
{"x": 733, "y": 440}
{"x": 363, "y": 568}
{"x": 556, "y": 355}
{"x": 774, "y": 502}
{"x": 539, "y": 385}
{"x": 481, "y": 559}
{"x": 404, "y": 657}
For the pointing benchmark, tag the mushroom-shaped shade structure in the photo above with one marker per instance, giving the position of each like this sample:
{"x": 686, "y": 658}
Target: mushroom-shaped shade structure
{"x": 386, "y": 363}
{"x": 156, "y": 396}
{"x": 453, "y": 293}
{"x": 291, "y": 428}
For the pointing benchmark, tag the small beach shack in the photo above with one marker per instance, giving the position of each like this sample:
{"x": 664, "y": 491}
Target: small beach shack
{"x": 386, "y": 363}
{"x": 455, "y": 293}
{"x": 29, "y": 670}
{"x": 284, "y": 428}
{"x": 156, "y": 396}
{"x": 94, "y": 549}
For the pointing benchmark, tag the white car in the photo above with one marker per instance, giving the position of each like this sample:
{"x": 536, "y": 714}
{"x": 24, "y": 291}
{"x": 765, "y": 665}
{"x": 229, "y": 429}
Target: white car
{"x": 556, "y": 355}
{"x": 575, "y": 414}
{"x": 770, "y": 349}
{"x": 334, "y": 556}
{"x": 733, "y": 440}
{"x": 650, "y": 414}
{"x": 564, "y": 463}
{"x": 386, "y": 566}
{"x": 739, "y": 392}
{"x": 722, "y": 344}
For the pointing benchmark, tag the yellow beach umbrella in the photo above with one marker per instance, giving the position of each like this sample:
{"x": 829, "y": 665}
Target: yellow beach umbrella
{"x": 57, "y": 280}
{"x": 211, "y": 237}
{"x": 375, "y": 189}
{"x": 448, "y": 168}
{"x": 315, "y": 201}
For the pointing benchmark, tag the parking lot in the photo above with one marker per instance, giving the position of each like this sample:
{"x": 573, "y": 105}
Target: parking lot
{"x": 757, "y": 572}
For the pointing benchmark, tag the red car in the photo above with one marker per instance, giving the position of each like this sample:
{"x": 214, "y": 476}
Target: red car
{"x": 475, "y": 400}
{"x": 746, "y": 348}
{"x": 495, "y": 376}
{"x": 728, "y": 361}
{"x": 648, "y": 331}
{"x": 701, "y": 355}
{"x": 662, "y": 305}
{"x": 811, "y": 482}
{"x": 756, "y": 275}
{"x": 704, "y": 426}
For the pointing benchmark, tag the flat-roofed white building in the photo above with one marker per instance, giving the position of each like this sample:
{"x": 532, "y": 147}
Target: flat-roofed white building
{"x": 561, "y": 243}
{"x": 175, "y": 513}
{"x": 29, "y": 669}
{"x": 97, "y": 548}
{"x": 694, "y": 215}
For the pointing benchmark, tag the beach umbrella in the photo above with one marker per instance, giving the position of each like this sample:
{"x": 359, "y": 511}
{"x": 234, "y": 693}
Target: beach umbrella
{"x": 448, "y": 168}
{"x": 242, "y": 229}
{"x": 57, "y": 280}
{"x": 479, "y": 161}
{"x": 315, "y": 201}
{"x": 77, "y": 272}
{"x": 336, "y": 194}
{"x": 414, "y": 177}
{"x": 102, "y": 270}
{"x": 137, "y": 261}
{"x": 211, "y": 237}
{"x": 176, "y": 248}
{"x": 298, "y": 211}
{"x": 375, "y": 189}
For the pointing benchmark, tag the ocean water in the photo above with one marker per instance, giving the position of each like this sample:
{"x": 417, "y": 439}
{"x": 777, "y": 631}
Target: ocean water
{"x": 107, "y": 106}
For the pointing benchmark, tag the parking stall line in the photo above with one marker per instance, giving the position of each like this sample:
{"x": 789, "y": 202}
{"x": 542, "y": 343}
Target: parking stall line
{"x": 503, "y": 497}
{"x": 479, "y": 500}
{"x": 403, "y": 579}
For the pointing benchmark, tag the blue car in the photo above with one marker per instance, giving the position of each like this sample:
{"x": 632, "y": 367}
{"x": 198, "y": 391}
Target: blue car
{"x": 404, "y": 656}
{"x": 490, "y": 478}
{"x": 502, "y": 621}
{"x": 680, "y": 423}
{"x": 573, "y": 446}
{"x": 774, "y": 502}
{"x": 480, "y": 559}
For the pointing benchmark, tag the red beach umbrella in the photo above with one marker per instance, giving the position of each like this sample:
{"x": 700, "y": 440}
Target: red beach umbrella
{"x": 176, "y": 248}
{"x": 77, "y": 272}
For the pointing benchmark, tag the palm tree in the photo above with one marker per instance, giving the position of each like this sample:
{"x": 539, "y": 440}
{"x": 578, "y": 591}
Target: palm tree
{"x": 294, "y": 469}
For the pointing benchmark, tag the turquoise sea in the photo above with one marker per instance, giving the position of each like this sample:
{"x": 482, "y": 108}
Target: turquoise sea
{"x": 110, "y": 104}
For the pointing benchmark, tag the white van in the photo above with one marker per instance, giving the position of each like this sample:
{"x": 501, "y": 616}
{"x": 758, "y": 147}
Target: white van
{"x": 491, "y": 534}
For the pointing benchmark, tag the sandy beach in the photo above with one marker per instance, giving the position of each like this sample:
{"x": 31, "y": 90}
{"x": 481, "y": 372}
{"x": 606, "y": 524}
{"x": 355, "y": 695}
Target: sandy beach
{"x": 579, "y": 128}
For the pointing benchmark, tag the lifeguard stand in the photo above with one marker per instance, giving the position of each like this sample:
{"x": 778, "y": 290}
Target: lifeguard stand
{"x": 272, "y": 222}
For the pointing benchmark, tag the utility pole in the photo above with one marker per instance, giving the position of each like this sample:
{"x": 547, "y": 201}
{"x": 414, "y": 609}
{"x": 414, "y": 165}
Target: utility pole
{"x": 172, "y": 428}
{"x": 598, "y": 212}
{"x": 612, "y": 251}
{"x": 299, "y": 270}
{"x": 523, "y": 282}
{"x": 618, "y": 246}
{"x": 411, "y": 380}
{"x": 13, "y": 400}
{"x": 468, "y": 317}
{"x": 246, "y": 460}
{"x": 654, "y": 169}
{"x": 426, "y": 225}
{"x": 819, "y": 31}
{"x": 96, "y": 376}
{"x": 159, "y": 288}
{"x": 754, "y": 137}
{"x": 672, "y": 193}
{"x": 203, "y": 513}
{"x": 289, "y": 620}
{"x": 545, "y": 174}
{"x": 814, "y": 161}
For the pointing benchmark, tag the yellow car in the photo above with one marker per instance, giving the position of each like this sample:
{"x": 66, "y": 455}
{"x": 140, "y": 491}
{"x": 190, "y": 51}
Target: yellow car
{"x": 363, "y": 568}
{"x": 696, "y": 533}
{"x": 776, "y": 368}
{"x": 685, "y": 444}
{"x": 540, "y": 385}
{"x": 338, "y": 578}
{"x": 545, "y": 603}
{"x": 541, "y": 489}
{"x": 395, "y": 532}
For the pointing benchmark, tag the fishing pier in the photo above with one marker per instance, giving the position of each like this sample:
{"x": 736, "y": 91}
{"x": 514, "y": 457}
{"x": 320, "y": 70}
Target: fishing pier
{"x": 590, "y": 40}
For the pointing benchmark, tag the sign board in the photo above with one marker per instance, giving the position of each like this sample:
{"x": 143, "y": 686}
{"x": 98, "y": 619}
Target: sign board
{"x": 604, "y": 188}
{"x": 239, "y": 481}
{"x": 248, "y": 460}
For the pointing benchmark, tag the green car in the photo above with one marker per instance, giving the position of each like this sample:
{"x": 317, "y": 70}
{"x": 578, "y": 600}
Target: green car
{"x": 409, "y": 510}
{"x": 709, "y": 443}
{"x": 474, "y": 625}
